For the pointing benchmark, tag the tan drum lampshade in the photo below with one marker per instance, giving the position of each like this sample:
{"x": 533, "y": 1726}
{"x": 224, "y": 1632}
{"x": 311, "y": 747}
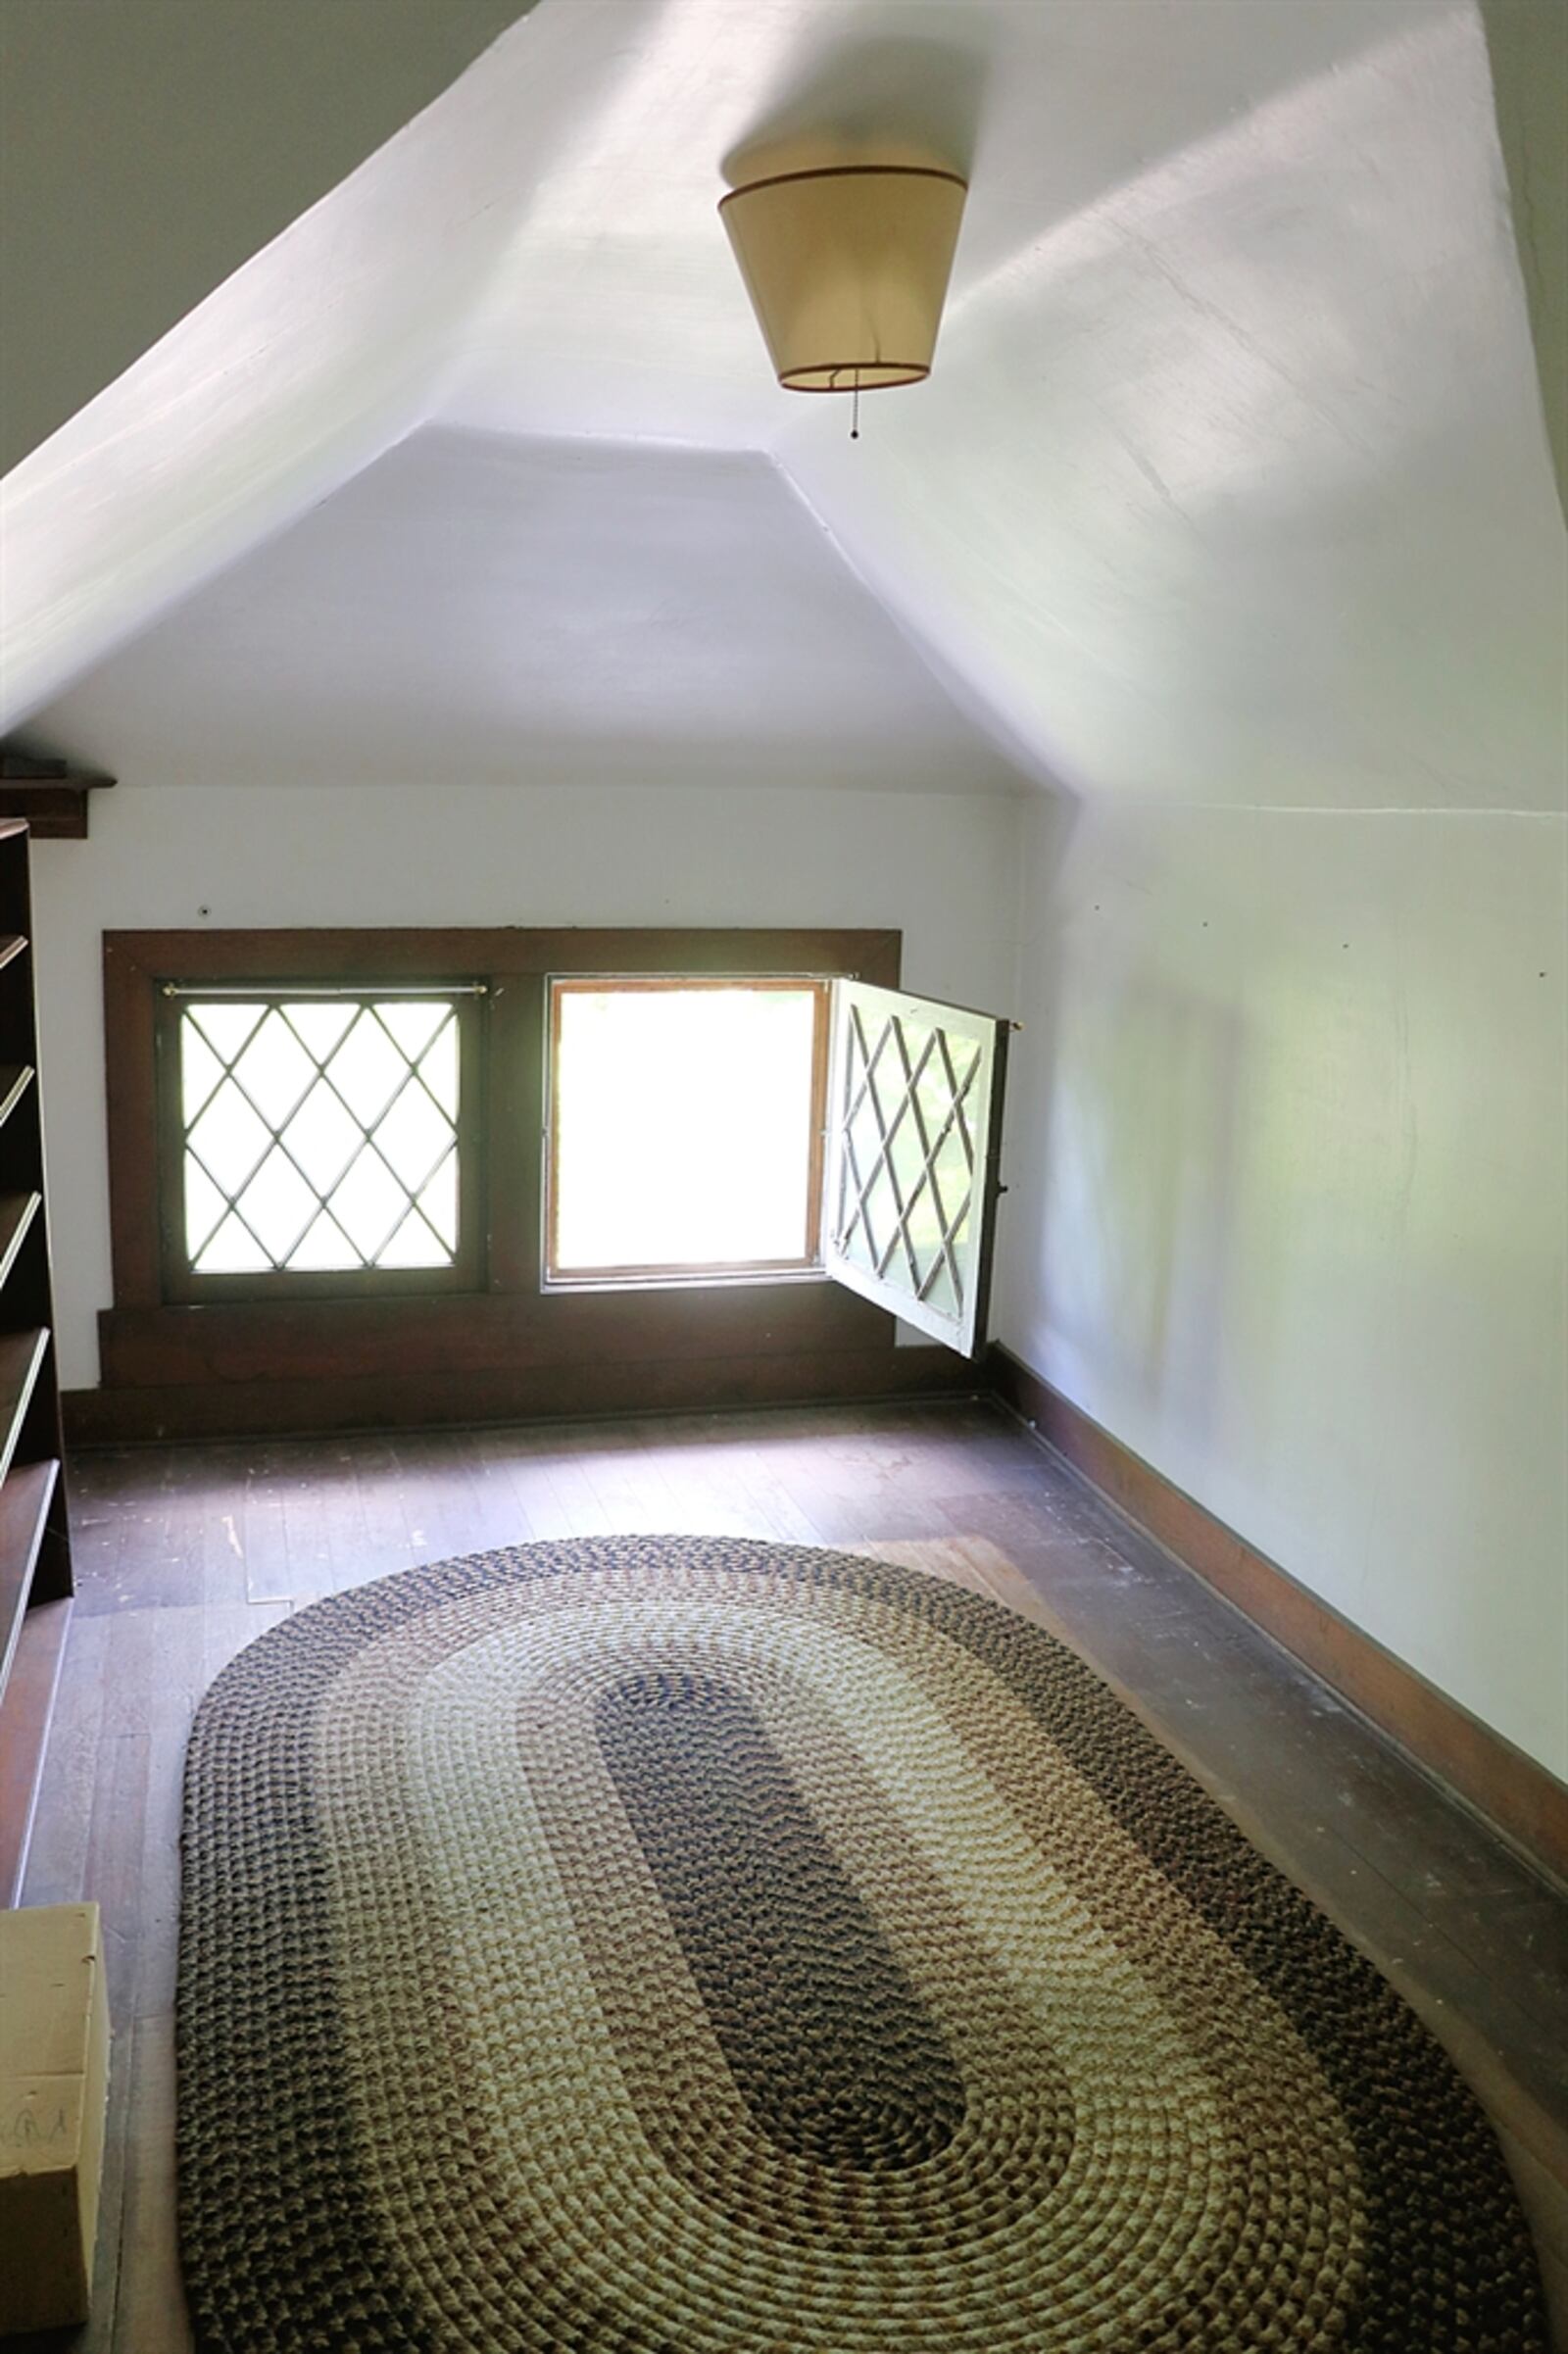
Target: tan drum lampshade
{"x": 847, "y": 269}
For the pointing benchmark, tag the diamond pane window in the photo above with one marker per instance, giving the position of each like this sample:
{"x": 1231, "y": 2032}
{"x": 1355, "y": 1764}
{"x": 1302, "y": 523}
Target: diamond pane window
{"x": 915, "y": 1119}
{"x": 484, "y": 1115}
{"x": 319, "y": 1135}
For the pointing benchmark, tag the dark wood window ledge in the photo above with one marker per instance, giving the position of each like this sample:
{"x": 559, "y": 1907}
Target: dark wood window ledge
{"x": 51, "y": 794}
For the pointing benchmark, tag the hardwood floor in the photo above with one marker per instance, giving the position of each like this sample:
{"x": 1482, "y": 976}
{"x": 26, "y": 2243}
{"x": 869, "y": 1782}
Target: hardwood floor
{"x": 186, "y": 1553}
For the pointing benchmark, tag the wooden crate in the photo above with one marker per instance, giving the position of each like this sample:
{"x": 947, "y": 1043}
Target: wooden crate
{"x": 53, "y": 2085}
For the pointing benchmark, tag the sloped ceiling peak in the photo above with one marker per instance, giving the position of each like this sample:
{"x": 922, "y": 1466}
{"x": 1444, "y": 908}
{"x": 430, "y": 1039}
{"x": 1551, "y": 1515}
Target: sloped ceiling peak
{"x": 473, "y": 608}
{"x": 1231, "y": 482}
{"x": 616, "y": 309}
{"x": 1235, "y": 487}
{"x": 300, "y": 370}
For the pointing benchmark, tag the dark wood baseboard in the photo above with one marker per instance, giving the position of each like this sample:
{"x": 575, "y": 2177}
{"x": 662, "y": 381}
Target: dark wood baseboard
{"x": 1512, "y": 1789}
{"x": 521, "y": 1393}
{"x": 1518, "y": 1795}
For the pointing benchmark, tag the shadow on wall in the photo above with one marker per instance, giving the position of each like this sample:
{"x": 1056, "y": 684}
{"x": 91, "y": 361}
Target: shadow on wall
{"x": 1129, "y": 1129}
{"x": 1147, "y": 1194}
{"x": 863, "y": 96}
{"x": 1527, "y": 46}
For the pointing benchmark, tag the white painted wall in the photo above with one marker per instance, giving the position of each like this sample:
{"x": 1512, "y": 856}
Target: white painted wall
{"x": 1230, "y": 500}
{"x": 1231, "y": 487}
{"x": 1289, "y": 1145}
{"x": 940, "y": 868}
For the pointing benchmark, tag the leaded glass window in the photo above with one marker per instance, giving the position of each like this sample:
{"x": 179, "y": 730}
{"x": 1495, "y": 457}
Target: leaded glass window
{"x": 320, "y": 1134}
{"x": 915, "y": 1133}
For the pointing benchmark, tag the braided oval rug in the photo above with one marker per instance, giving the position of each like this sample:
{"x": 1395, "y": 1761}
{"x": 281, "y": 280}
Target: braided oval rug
{"x": 666, "y": 1945}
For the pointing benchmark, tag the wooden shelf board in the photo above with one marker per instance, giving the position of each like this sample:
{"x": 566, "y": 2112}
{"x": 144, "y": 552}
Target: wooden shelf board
{"x": 55, "y": 810}
{"x": 47, "y": 793}
{"x": 17, "y": 1213}
{"x": 21, "y": 1356}
{"x": 14, "y": 1080}
{"x": 23, "y": 1734}
{"x": 25, "y": 1501}
{"x": 34, "y": 1539}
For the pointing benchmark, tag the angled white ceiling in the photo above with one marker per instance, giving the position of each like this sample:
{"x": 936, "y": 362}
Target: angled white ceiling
{"x": 613, "y": 308}
{"x": 477, "y": 609}
{"x": 1231, "y": 482}
{"x": 1235, "y": 486}
{"x": 297, "y": 371}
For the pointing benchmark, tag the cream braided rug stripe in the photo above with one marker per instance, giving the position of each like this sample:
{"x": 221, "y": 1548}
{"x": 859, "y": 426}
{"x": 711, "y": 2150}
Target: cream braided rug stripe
{"x": 669, "y": 1946}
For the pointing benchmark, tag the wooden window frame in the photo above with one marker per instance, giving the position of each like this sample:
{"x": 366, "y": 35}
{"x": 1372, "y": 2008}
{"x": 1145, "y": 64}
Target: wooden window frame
{"x": 186, "y": 1285}
{"x": 681, "y": 1272}
{"x": 512, "y": 1345}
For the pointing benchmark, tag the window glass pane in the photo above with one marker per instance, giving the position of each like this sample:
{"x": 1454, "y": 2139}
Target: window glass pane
{"x": 859, "y": 1242}
{"x": 330, "y": 1143}
{"x": 277, "y": 1070}
{"x": 200, "y": 1072}
{"x": 912, "y": 1096}
{"x": 229, "y": 1138}
{"x": 234, "y": 1249}
{"x": 683, "y": 1126}
{"x": 324, "y": 1246}
{"x": 438, "y": 1202}
{"x": 319, "y": 1025}
{"x": 438, "y": 1069}
{"x": 908, "y": 1156}
{"x": 367, "y": 1069}
{"x": 414, "y": 1245}
{"x": 324, "y": 1137}
{"x": 413, "y": 1135}
{"x": 934, "y": 1089}
{"x": 277, "y": 1205}
{"x": 225, "y": 1026}
{"x": 369, "y": 1203}
{"x": 939, "y": 1290}
{"x": 205, "y": 1205}
{"x": 414, "y": 1025}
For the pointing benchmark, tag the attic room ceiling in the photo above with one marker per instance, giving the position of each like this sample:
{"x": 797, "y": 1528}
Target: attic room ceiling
{"x": 475, "y": 609}
{"x": 1232, "y": 466}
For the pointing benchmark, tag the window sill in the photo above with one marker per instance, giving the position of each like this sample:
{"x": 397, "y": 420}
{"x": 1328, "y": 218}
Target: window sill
{"x": 479, "y": 1333}
{"x": 704, "y": 1279}
{"x": 297, "y": 1366}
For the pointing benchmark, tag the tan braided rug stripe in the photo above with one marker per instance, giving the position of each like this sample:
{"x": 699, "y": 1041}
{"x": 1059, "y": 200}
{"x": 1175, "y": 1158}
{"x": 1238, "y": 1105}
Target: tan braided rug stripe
{"x": 674, "y": 1944}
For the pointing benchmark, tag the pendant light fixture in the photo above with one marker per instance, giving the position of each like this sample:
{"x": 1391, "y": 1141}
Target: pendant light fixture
{"x": 846, "y": 266}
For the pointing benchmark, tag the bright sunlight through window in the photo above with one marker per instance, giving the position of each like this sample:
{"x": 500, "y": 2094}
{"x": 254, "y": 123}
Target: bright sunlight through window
{"x": 686, "y": 1125}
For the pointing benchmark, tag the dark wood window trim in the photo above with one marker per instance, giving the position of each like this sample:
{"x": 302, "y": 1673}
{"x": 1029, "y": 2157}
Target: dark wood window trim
{"x": 181, "y": 1281}
{"x": 514, "y": 1347}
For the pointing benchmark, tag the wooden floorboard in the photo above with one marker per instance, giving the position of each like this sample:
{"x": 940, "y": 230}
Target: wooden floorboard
{"x": 186, "y": 1553}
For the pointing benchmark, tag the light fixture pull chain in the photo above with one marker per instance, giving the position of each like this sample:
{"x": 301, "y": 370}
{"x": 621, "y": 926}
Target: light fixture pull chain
{"x": 854, "y": 410}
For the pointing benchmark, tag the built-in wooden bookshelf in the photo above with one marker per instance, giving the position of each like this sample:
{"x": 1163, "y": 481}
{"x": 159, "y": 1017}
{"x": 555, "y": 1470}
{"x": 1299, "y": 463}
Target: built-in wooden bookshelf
{"x": 35, "y": 1581}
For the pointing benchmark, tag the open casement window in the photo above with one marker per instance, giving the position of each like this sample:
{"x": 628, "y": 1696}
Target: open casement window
{"x": 685, "y": 1128}
{"x": 318, "y": 1140}
{"x": 696, "y": 1136}
{"x": 915, "y": 1142}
